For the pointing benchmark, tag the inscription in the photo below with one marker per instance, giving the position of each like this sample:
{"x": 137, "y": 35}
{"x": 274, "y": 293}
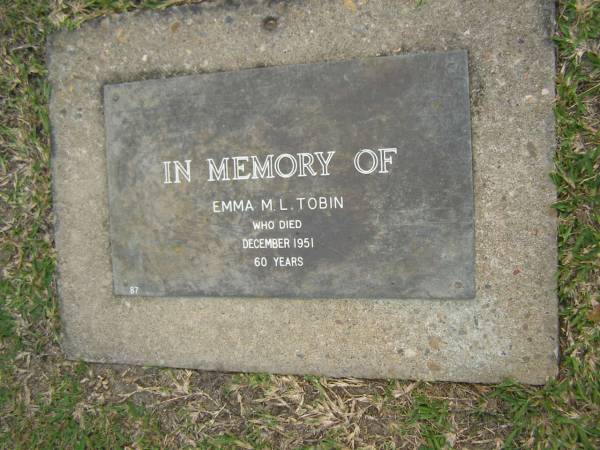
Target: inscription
{"x": 366, "y": 161}
{"x": 284, "y": 165}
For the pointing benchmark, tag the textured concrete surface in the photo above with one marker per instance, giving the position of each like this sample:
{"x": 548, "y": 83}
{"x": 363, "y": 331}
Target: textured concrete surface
{"x": 404, "y": 233}
{"x": 509, "y": 330}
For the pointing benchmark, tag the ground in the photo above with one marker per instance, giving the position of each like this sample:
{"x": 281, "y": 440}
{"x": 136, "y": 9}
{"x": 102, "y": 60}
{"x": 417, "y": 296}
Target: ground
{"x": 49, "y": 402}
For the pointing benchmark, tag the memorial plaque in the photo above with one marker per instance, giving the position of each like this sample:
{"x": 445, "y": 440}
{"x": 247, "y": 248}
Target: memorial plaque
{"x": 347, "y": 179}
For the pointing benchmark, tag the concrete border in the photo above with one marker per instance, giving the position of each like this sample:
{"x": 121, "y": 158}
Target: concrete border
{"x": 510, "y": 330}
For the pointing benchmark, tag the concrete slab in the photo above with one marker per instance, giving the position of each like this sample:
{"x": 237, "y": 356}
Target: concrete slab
{"x": 509, "y": 330}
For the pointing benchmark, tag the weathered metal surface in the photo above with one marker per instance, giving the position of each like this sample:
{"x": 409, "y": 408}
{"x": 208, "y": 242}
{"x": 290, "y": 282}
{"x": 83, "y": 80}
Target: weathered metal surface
{"x": 403, "y": 231}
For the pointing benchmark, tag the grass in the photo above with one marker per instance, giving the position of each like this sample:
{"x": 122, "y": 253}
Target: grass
{"x": 48, "y": 402}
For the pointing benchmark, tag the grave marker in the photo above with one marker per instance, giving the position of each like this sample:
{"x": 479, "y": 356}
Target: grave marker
{"x": 167, "y": 125}
{"x": 206, "y": 171}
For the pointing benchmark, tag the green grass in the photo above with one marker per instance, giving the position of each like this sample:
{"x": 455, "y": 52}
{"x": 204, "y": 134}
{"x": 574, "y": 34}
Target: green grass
{"x": 47, "y": 402}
